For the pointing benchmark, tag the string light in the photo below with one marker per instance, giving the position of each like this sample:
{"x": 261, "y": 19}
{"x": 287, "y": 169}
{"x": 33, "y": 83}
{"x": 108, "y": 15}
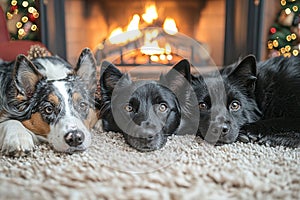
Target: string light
{"x": 14, "y": 2}
{"x": 295, "y": 52}
{"x": 270, "y": 45}
{"x": 24, "y": 19}
{"x": 295, "y": 8}
{"x": 287, "y": 11}
{"x": 25, "y": 4}
{"x": 34, "y": 27}
{"x": 283, "y": 34}
{"x": 19, "y": 24}
{"x": 275, "y": 43}
{"x": 28, "y": 14}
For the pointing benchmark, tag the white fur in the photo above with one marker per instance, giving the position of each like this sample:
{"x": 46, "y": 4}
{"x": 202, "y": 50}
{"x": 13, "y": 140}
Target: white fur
{"x": 53, "y": 71}
{"x": 66, "y": 124}
{"x": 16, "y": 138}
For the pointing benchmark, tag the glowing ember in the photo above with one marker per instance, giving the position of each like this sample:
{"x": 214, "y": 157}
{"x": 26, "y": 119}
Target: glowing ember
{"x": 170, "y": 26}
{"x": 151, "y": 48}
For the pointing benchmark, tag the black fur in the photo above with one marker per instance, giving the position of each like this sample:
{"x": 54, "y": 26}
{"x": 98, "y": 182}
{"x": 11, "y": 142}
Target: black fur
{"x": 262, "y": 102}
{"x": 146, "y": 112}
{"x": 277, "y": 94}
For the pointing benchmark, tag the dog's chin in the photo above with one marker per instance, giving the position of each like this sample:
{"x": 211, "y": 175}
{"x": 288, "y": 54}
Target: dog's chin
{"x": 72, "y": 150}
{"x": 146, "y": 144}
{"x": 219, "y": 140}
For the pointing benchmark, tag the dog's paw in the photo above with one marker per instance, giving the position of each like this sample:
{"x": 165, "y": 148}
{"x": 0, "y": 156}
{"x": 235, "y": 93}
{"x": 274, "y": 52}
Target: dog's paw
{"x": 243, "y": 137}
{"x": 16, "y": 140}
{"x": 248, "y": 133}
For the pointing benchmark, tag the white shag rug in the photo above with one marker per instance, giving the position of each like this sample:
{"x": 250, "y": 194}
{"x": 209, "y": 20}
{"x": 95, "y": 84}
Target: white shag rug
{"x": 186, "y": 168}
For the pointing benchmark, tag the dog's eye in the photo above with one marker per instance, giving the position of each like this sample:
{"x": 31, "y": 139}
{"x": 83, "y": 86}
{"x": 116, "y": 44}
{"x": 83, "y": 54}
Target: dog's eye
{"x": 202, "y": 106}
{"x": 235, "y": 105}
{"x": 128, "y": 108}
{"x": 83, "y": 105}
{"x": 49, "y": 110}
{"x": 162, "y": 107}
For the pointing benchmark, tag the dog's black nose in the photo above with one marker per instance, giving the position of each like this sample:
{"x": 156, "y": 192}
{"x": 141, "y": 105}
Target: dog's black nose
{"x": 225, "y": 129}
{"x": 74, "y": 138}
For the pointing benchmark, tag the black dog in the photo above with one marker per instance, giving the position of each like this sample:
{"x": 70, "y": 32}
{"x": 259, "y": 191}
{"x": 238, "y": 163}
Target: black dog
{"x": 147, "y": 112}
{"x": 277, "y": 95}
{"x": 262, "y": 102}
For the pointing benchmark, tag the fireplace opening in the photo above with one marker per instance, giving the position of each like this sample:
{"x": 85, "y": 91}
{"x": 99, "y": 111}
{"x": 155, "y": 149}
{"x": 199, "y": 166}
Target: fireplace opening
{"x": 134, "y": 32}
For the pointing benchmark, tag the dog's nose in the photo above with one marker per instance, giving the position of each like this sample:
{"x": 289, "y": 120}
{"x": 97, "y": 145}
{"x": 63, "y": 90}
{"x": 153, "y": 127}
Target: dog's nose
{"x": 225, "y": 129}
{"x": 74, "y": 138}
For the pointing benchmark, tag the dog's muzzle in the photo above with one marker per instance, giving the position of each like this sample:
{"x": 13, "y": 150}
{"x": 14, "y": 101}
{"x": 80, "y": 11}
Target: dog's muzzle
{"x": 69, "y": 135}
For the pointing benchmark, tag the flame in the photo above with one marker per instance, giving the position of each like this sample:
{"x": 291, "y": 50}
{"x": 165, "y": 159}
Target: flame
{"x": 170, "y": 26}
{"x": 133, "y": 28}
{"x": 115, "y": 36}
{"x": 134, "y": 23}
{"x": 118, "y": 36}
{"x": 150, "y": 14}
{"x": 151, "y": 46}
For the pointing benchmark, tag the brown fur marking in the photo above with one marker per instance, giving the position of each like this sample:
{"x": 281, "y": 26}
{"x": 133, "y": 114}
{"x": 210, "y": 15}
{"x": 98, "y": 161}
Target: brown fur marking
{"x": 53, "y": 99}
{"x": 37, "y": 125}
{"x": 91, "y": 119}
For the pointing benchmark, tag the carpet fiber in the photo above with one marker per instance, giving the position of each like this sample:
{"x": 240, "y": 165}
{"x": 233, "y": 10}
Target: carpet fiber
{"x": 186, "y": 168}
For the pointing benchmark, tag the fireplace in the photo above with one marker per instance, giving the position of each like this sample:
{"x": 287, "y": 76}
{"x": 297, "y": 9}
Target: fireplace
{"x": 199, "y": 28}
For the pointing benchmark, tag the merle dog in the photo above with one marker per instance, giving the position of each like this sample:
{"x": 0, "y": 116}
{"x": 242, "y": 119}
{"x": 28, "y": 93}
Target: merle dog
{"x": 46, "y": 99}
{"x": 257, "y": 102}
{"x": 147, "y": 112}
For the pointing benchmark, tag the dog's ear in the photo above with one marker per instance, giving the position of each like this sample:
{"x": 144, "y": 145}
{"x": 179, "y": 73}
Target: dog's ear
{"x": 26, "y": 76}
{"x": 86, "y": 69}
{"x": 178, "y": 76}
{"x": 110, "y": 77}
{"x": 245, "y": 72}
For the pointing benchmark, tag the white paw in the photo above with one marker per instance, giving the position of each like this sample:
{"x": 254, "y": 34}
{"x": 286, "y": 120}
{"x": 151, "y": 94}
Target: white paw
{"x": 98, "y": 126}
{"x": 15, "y": 139}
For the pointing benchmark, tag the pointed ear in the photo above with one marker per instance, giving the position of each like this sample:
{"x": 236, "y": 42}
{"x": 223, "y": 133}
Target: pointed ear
{"x": 86, "y": 69}
{"x": 245, "y": 72}
{"x": 25, "y": 76}
{"x": 178, "y": 75}
{"x": 110, "y": 76}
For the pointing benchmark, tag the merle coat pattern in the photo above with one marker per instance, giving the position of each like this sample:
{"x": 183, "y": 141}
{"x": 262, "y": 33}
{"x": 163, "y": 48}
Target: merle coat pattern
{"x": 45, "y": 99}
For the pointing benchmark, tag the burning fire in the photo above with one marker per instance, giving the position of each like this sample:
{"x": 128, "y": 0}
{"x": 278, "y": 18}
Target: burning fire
{"x": 170, "y": 26}
{"x": 151, "y": 46}
{"x": 118, "y": 36}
